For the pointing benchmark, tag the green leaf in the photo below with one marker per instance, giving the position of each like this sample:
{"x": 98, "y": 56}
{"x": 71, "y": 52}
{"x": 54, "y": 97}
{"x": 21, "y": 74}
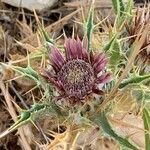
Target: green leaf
{"x": 126, "y": 14}
{"x": 129, "y": 6}
{"x": 28, "y": 116}
{"x": 118, "y": 6}
{"x": 46, "y": 36}
{"x": 35, "y": 112}
{"x": 136, "y": 79}
{"x": 122, "y": 7}
{"x": 141, "y": 95}
{"x": 89, "y": 26}
{"x": 29, "y": 72}
{"x": 115, "y": 56}
{"x": 113, "y": 48}
{"x": 37, "y": 107}
{"x": 123, "y": 11}
{"x": 110, "y": 44}
{"x": 146, "y": 120}
{"x": 24, "y": 118}
{"x": 102, "y": 121}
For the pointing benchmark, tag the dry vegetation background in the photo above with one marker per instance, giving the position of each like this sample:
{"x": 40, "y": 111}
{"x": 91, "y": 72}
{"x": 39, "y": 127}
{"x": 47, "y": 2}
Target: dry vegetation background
{"x": 18, "y": 37}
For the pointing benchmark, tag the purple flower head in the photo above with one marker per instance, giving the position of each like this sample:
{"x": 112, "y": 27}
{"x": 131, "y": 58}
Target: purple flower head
{"x": 77, "y": 73}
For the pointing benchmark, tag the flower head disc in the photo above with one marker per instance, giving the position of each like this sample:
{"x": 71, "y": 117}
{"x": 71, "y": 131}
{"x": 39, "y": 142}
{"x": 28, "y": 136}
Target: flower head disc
{"x": 77, "y": 78}
{"x": 77, "y": 74}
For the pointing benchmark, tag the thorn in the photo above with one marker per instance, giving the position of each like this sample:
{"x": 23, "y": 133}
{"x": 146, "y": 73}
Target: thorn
{"x": 34, "y": 124}
{"x": 31, "y": 89}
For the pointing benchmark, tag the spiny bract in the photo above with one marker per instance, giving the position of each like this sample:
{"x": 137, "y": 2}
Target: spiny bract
{"x": 79, "y": 72}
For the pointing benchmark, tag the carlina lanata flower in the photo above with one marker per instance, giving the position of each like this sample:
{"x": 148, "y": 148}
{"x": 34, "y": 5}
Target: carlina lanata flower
{"x": 77, "y": 73}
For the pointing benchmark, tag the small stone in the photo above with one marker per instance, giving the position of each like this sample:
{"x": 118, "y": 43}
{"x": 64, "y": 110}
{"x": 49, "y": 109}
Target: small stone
{"x": 31, "y": 4}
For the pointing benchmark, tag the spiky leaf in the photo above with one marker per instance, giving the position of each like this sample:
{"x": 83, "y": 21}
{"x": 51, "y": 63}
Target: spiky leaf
{"x": 136, "y": 79}
{"x": 102, "y": 121}
{"x": 118, "y": 6}
{"x": 115, "y": 55}
{"x": 141, "y": 95}
{"x": 146, "y": 120}
{"x": 45, "y": 36}
{"x": 35, "y": 112}
{"x": 110, "y": 44}
{"x": 28, "y": 72}
{"x": 89, "y": 26}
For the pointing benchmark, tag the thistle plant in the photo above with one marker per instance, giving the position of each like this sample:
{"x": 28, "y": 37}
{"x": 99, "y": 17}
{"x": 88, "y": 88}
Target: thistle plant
{"x": 79, "y": 73}
{"x": 82, "y": 87}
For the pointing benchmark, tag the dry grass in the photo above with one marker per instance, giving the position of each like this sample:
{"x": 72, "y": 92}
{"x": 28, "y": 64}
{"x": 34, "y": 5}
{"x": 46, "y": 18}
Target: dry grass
{"x": 19, "y": 36}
